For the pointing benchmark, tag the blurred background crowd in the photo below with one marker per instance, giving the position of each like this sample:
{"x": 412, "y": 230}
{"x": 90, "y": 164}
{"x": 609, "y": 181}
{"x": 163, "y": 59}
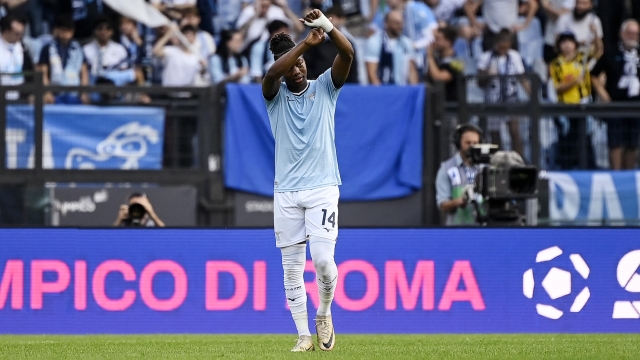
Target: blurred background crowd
{"x": 585, "y": 50}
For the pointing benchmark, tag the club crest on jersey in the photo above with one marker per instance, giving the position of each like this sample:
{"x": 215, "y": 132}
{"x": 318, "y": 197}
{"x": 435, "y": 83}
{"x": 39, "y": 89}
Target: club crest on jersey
{"x": 312, "y": 96}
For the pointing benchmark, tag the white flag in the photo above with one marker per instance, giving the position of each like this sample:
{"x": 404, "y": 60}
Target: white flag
{"x": 140, "y": 11}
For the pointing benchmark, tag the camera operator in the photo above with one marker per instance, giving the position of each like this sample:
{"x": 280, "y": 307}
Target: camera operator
{"x": 138, "y": 212}
{"x": 455, "y": 176}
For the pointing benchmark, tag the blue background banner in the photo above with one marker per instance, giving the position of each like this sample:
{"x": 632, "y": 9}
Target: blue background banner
{"x": 378, "y": 140}
{"x": 594, "y": 196}
{"x": 392, "y": 281}
{"x": 87, "y": 137}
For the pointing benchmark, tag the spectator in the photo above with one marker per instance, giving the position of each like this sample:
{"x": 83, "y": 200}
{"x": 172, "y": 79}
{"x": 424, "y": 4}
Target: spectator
{"x": 261, "y": 57}
{"x": 573, "y": 85}
{"x": 14, "y": 57}
{"x": 132, "y": 41}
{"x": 585, "y": 26}
{"x": 502, "y": 63}
{"x": 204, "y": 41}
{"x": 173, "y": 8}
{"x": 108, "y": 61}
{"x": 498, "y": 15}
{"x": 253, "y": 20}
{"x": 228, "y": 64}
{"x": 182, "y": 64}
{"x": 553, "y": 9}
{"x": 86, "y": 14}
{"x": 389, "y": 57}
{"x": 320, "y": 57}
{"x": 442, "y": 62}
{"x": 62, "y": 63}
{"x": 620, "y": 64}
{"x": 455, "y": 175}
{"x": 419, "y": 22}
{"x": 138, "y": 212}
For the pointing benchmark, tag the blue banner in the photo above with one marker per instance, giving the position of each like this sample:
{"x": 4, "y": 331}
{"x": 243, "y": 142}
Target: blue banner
{"x": 594, "y": 196}
{"x": 87, "y": 137}
{"x": 378, "y": 141}
{"x": 391, "y": 281}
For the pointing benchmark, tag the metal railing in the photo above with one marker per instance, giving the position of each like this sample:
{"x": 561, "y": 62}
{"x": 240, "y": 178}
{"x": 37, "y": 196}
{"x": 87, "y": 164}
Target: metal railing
{"x": 215, "y": 203}
{"x": 204, "y": 105}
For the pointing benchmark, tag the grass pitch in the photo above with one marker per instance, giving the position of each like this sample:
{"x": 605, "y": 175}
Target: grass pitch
{"x": 347, "y": 347}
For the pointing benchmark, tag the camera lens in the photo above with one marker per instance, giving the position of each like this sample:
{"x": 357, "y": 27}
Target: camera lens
{"x": 136, "y": 213}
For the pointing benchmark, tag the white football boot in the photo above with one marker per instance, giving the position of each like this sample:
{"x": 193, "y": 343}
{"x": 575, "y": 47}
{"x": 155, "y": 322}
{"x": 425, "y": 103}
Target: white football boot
{"x": 304, "y": 343}
{"x": 326, "y": 334}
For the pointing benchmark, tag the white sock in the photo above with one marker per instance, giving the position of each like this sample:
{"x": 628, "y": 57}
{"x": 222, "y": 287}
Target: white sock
{"x": 322, "y": 251}
{"x": 293, "y": 261}
{"x": 302, "y": 323}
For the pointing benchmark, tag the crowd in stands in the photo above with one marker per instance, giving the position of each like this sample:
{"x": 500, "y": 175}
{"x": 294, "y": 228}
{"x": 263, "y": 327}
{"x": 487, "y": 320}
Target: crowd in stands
{"x": 585, "y": 49}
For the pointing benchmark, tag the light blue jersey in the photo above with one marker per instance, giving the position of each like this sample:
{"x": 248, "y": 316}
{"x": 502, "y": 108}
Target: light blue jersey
{"x": 303, "y": 126}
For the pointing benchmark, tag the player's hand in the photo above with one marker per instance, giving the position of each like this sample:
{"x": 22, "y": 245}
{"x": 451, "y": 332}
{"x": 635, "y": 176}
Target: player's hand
{"x": 316, "y": 19}
{"x": 315, "y": 37}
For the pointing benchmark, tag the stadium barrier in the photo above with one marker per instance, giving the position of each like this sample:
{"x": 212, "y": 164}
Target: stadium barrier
{"x": 203, "y": 168}
{"x": 68, "y": 281}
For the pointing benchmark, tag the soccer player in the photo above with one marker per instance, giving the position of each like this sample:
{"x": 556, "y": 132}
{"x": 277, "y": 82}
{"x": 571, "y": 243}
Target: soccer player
{"x": 301, "y": 113}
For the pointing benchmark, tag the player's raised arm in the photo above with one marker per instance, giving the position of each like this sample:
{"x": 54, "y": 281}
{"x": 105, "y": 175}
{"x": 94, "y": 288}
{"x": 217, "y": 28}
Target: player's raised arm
{"x": 287, "y": 61}
{"x": 342, "y": 63}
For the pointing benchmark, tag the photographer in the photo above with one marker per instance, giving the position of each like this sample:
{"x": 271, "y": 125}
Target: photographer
{"x": 455, "y": 175}
{"x": 138, "y": 212}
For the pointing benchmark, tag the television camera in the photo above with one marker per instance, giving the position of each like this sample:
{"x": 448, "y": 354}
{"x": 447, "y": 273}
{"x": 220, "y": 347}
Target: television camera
{"x": 502, "y": 186}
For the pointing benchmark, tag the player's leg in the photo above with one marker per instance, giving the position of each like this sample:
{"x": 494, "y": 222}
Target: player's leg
{"x": 321, "y": 218}
{"x": 294, "y": 258}
{"x": 289, "y": 226}
{"x": 322, "y": 253}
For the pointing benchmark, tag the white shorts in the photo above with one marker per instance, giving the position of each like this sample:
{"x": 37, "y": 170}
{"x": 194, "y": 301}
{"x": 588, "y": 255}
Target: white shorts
{"x": 300, "y": 214}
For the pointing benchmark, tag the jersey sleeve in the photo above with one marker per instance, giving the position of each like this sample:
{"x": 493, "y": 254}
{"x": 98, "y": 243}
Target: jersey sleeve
{"x": 271, "y": 104}
{"x": 326, "y": 83}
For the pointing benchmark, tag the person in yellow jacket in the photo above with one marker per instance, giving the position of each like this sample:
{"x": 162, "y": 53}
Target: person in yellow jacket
{"x": 570, "y": 75}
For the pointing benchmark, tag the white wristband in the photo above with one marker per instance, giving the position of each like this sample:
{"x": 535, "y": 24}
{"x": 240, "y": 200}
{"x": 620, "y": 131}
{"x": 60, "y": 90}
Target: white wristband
{"x": 321, "y": 22}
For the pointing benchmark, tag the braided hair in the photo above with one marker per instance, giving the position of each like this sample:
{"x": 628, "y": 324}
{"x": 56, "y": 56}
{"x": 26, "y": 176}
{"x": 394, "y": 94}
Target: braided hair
{"x": 280, "y": 44}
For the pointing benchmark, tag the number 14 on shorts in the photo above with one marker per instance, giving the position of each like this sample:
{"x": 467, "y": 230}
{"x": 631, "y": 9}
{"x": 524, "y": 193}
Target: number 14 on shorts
{"x": 331, "y": 219}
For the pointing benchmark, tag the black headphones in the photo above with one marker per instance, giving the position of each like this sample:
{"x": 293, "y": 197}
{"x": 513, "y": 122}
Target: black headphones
{"x": 463, "y": 128}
